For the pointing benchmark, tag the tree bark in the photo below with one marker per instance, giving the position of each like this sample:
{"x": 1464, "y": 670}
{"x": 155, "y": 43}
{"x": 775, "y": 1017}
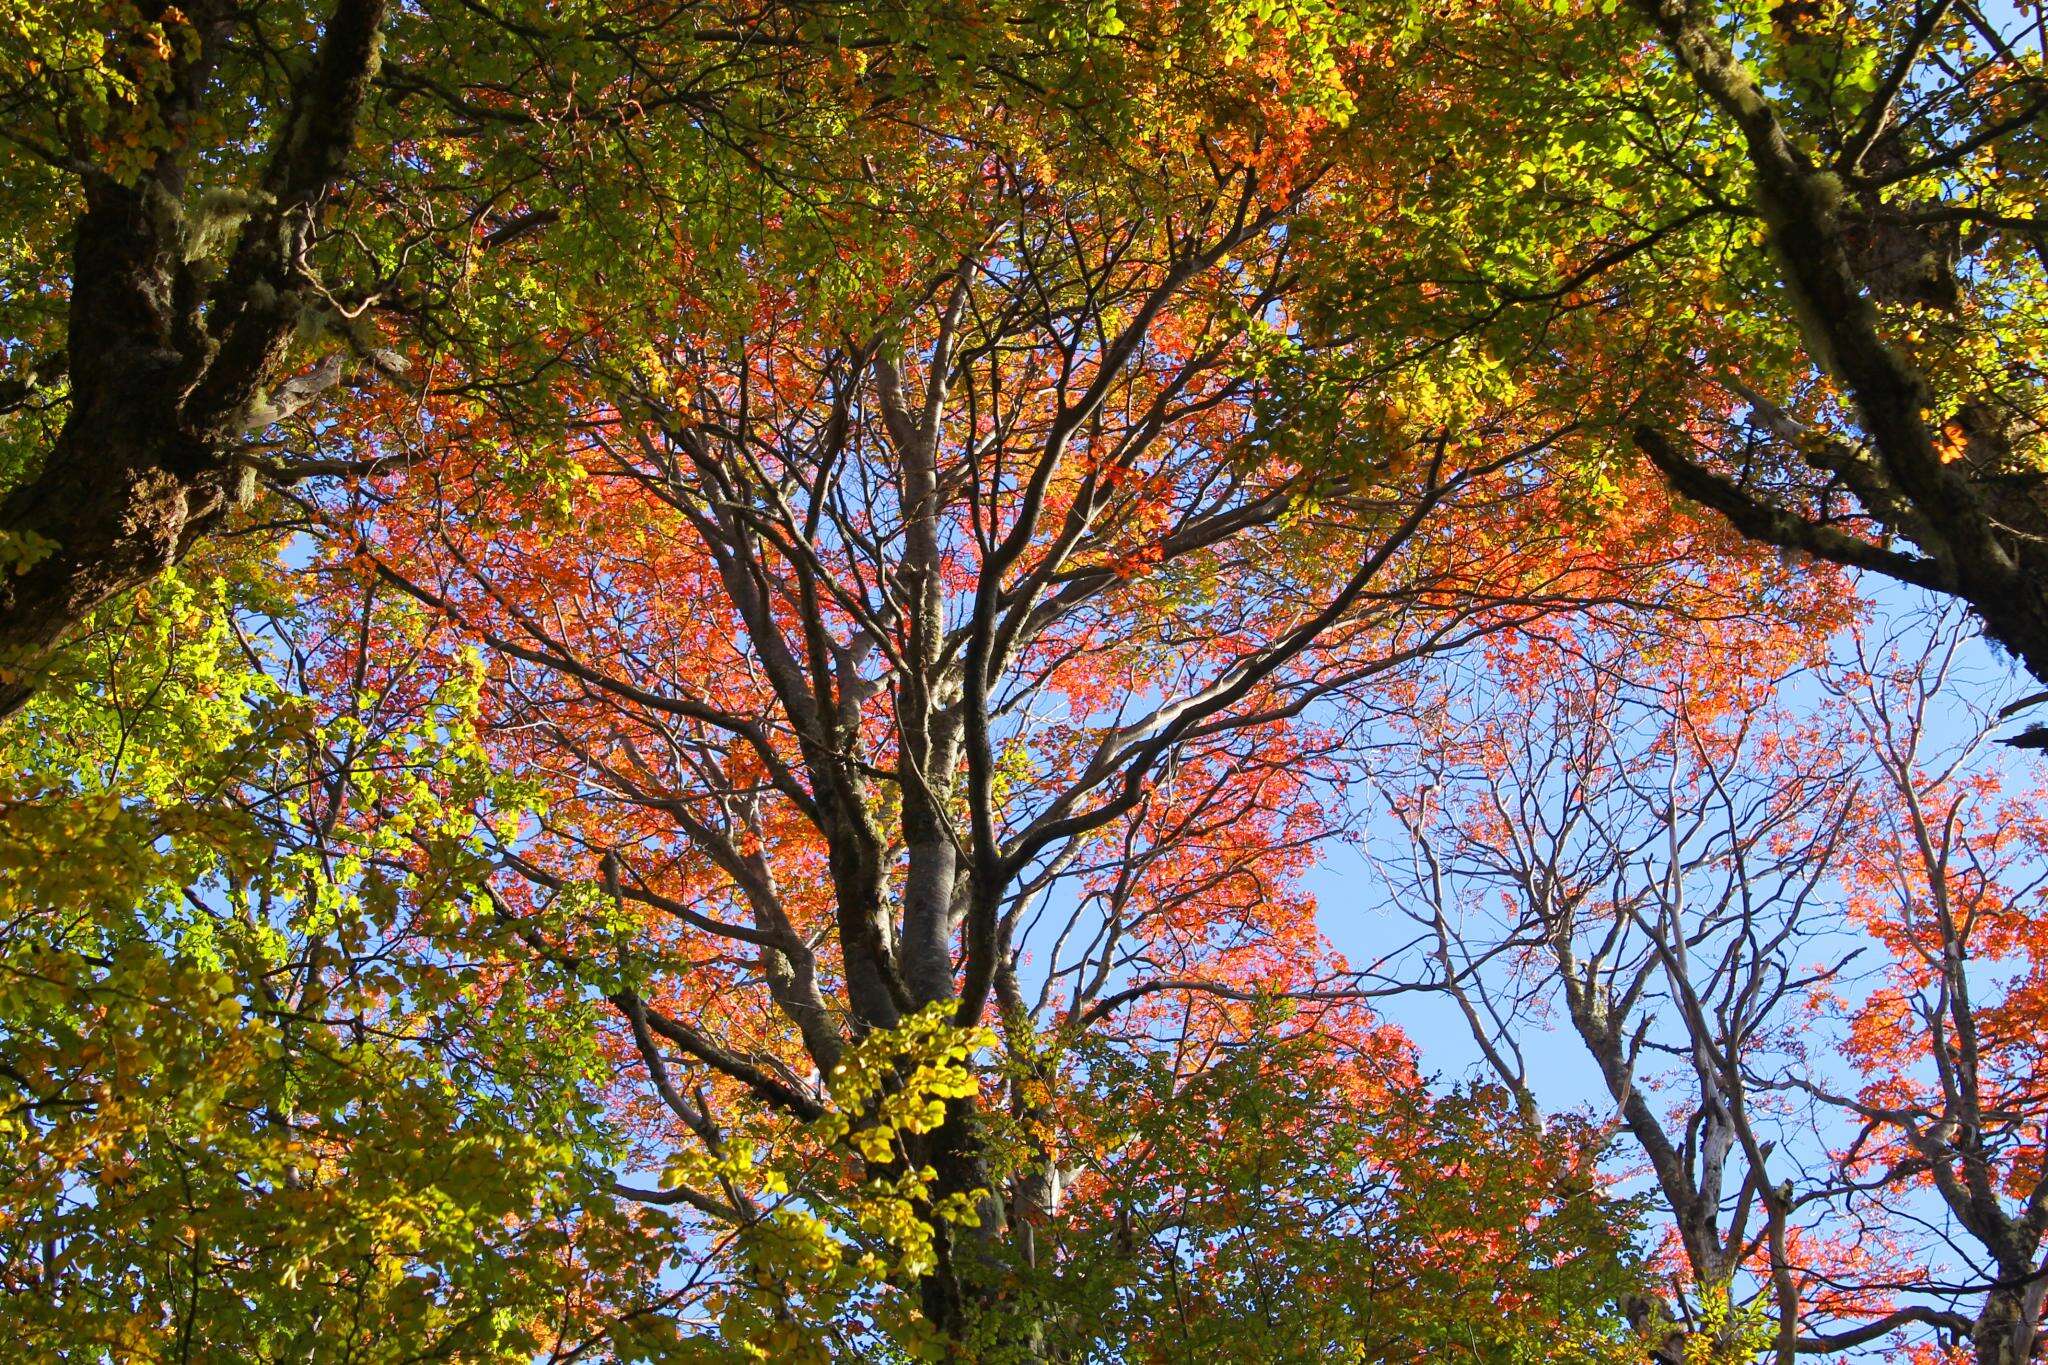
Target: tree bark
{"x": 1967, "y": 544}
{"x": 168, "y": 373}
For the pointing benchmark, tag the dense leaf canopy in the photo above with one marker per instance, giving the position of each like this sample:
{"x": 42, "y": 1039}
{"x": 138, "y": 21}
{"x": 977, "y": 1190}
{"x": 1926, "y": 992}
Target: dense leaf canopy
{"x": 695, "y": 680}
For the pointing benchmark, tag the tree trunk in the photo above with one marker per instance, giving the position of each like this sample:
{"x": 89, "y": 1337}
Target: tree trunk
{"x": 167, "y": 372}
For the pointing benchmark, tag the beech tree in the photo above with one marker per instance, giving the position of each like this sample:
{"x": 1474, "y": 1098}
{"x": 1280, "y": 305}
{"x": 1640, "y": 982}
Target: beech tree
{"x": 175, "y": 326}
{"x": 966, "y": 659}
{"x": 1640, "y": 849}
{"x": 1946, "y": 876}
{"x": 674, "y": 675}
{"x": 268, "y": 1094}
{"x": 224, "y": 216}
{"x": 1789, "y": 253}
{"x": 1694, "y": 876}
{"x": 1893, "y": 156}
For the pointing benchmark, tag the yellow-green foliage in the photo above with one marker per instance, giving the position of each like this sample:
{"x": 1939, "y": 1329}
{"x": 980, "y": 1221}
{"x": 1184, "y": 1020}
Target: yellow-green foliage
{"x": 830, "y": 1252}
{"x": 251, "y": 1107}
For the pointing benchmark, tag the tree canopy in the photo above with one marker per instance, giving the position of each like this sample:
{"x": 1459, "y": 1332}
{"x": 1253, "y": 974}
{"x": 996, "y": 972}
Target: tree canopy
{"x": 1268, "y": 680}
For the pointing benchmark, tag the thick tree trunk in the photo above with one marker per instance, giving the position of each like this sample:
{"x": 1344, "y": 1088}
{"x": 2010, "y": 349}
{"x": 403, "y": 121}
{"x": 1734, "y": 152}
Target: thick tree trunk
{"x": 167, "y": 373}
{"x": 2007, "y": 1330}
{"x": 112, "y": 525}
{"x": 1966, "y": 542}
{"x": 127, "y": 486}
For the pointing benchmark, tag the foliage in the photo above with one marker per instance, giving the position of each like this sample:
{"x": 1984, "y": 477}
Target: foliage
{"x": 1724, "y": 1330}
{"x": 250, "y": 1114}
{"x": 675, "y": 673}
{"x": 1298, "y": 1202}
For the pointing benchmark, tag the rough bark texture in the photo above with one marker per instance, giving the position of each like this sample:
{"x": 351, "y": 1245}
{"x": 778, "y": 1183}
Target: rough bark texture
{"x": 169, "y": 372}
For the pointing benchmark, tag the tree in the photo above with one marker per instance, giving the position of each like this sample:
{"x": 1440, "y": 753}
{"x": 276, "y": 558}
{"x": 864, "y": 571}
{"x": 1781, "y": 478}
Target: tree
{"x": 1289, "y": 1199}
{"x": 741, "y": 788}
{"x": 185, "y": 285}
{"x": 1789, "y": 253}
{"x": 1894, "y": 159}
{"x": 1640, "y": 842}
{"x": 1946, "y": 877}
{"x": 861, "y": 649}
{"x": 1697, "y": 876}
{"x": 218, "y": 213}
{"x": 342, "y": 923}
